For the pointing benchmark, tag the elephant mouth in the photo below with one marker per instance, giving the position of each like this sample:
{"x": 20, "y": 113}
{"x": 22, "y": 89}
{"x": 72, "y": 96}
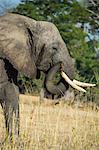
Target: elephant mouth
{"x": 59, "y": 88}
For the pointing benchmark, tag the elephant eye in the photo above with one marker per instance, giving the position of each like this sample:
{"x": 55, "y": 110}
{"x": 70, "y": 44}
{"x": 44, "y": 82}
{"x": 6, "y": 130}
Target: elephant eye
{"x": 54, "y": 48}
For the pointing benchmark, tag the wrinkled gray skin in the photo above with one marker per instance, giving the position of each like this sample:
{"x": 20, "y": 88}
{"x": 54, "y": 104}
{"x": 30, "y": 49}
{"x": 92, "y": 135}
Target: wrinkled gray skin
{"x": 27, "y": 46}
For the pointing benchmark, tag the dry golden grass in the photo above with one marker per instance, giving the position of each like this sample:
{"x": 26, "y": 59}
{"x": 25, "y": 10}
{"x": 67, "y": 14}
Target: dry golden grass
{"x": 47, "y": 126}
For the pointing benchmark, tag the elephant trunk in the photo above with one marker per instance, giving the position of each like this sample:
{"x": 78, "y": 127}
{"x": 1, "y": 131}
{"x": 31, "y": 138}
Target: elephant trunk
{"x": 55, "y": 88}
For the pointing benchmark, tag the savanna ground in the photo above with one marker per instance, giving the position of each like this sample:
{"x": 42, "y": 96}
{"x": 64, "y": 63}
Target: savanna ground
{"x": 53, "y": 125}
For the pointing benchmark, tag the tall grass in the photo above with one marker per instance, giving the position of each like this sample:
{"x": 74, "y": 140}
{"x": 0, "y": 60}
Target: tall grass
{"x": 46, "y": 126}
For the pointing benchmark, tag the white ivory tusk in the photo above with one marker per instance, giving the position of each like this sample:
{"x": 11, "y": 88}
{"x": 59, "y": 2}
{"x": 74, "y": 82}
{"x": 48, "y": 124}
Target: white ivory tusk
{"x": 71, "y": 82}
{"x": 83, "y": 84}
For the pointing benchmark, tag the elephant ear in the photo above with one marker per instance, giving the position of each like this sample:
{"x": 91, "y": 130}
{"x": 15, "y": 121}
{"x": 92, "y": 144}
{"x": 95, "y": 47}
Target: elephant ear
{"x": 15, "y": 46}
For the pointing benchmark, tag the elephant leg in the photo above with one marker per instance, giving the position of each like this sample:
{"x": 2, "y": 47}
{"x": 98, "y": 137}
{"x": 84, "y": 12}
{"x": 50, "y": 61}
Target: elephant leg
{"x": 8, "y": 113}
{"x": 17, "y": 121}
{"x": 11, "y": 108}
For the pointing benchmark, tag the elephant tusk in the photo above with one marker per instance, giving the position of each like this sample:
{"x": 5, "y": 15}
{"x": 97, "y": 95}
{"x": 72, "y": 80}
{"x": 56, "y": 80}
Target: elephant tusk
{"x": 83, "y": 84}
{"x": 71, "y": 82}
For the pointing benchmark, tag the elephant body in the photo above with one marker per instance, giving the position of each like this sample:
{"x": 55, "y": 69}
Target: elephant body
{"x": 26, "y": 46}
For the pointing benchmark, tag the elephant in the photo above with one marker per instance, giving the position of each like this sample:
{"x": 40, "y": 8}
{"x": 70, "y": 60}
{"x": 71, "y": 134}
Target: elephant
{"x": 29, "y": 46}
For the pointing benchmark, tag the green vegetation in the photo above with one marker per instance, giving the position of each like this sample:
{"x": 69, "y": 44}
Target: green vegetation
{"x": 70, "y": 18}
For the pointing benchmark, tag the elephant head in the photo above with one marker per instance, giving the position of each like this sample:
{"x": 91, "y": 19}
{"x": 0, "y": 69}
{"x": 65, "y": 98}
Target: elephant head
{"x": 54, "y": 53}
